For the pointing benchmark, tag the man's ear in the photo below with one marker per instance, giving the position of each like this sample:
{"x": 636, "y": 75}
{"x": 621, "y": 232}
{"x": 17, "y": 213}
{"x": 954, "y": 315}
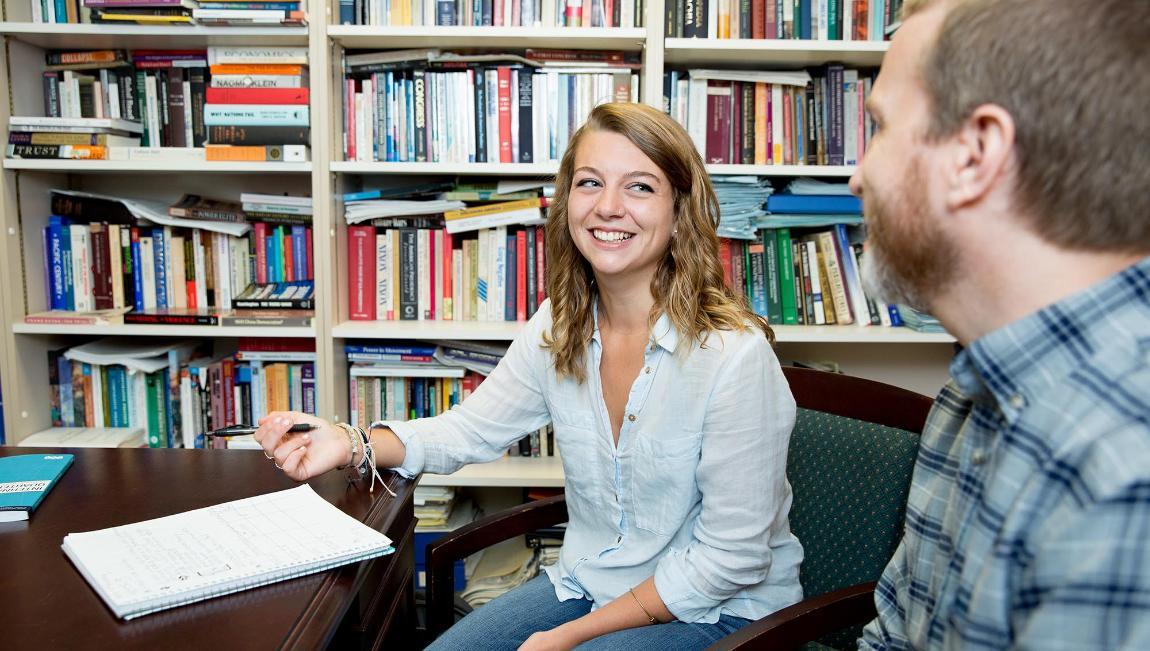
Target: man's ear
{"x": 982, "y": 150}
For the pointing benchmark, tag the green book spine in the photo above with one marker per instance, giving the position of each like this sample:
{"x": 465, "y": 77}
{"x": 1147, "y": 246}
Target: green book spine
{"x": 157, "y": 422}
{"x": 834, "y": 20}
{"x": 787, "y": 277}
{"x": 771, "y": 278}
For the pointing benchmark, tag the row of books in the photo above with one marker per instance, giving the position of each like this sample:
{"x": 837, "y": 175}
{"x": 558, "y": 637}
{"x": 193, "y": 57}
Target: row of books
{"x": 492, "y": 13}
{"x": 426, "y": 106}
{"x": 222, "y": 103}
{"x": 105, "y": 266}
{"x": 177, "y": 391}
{"x": 171, "y": 12}
{"x": 417, "y": 270}
{"x": 825, "y": 20}
{"x": 779, "y": 118}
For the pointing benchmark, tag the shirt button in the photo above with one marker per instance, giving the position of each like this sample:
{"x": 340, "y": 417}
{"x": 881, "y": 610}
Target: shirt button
{"x": 647, "y": 370}
{"x": 631, "y": 417}
{"x": 979, "y": 457}
{"x": 1018, "y": 401}
{"x": 618, "y": 540}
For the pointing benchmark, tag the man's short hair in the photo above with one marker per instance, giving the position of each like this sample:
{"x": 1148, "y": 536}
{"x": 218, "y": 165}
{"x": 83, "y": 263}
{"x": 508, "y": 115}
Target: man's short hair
{"x": 1073, "y": 75}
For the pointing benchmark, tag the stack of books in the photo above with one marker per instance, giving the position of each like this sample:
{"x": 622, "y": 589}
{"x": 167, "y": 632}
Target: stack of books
{"x": 823, "y": 20}
{"x": 142, "y": 12}
{"x": 400, "y": 381}
{"x": 78, "y": 138}
{"x": 472, "y": 13}
{"x": 257, "y": 104}
{"x": 171, "y": 104}
{"x": 250, "y": 12}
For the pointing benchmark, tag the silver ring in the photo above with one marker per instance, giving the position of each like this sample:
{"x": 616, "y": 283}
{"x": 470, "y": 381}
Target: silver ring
{"x": 269, "y": 457}
{"x": 278, "y": 466}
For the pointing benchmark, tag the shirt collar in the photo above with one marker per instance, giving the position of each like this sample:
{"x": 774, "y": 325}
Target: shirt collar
{"x": 1017, "y": 361}
{"x": 663, "y": 335}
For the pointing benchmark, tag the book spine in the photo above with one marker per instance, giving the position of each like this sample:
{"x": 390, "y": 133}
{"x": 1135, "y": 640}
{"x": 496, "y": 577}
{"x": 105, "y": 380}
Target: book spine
{"x": 361, "y": 270}
{"x": 255, "y": 96}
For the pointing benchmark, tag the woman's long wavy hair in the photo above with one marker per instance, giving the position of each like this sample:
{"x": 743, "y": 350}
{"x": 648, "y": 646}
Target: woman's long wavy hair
{"x": 688, "y": 284}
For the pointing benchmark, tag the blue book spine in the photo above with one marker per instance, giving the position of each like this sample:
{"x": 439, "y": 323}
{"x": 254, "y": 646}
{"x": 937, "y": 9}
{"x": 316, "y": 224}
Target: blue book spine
{"x": 55, "y": 234}
{"x": 281, "y": 267}
{"x": 299, "y": 252}
{"x": 362, "y": 196}
{"x": 445, "y": 13}
{"x": 61, "y": 11}
{"x": 160, "y": 259}
{"x": 67, "y": 405}
{"x": 814, "y": 204}
{"x": 387, "y": 93}
{"x": 137, "y": 273}
{"x": 509, "y": 286}
{"x": 895, "y": 317}
{"x": 346, "y": 12}
{"x": 805, "y": 19}
{"x": 420, "y": 391}
{"x": 115, "y": 395}
{"x": 68, "y": 281}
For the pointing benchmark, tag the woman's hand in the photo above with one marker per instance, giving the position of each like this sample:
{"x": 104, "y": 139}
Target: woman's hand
{"x": 304, "y": 455}
{"x": 555, "y": 639}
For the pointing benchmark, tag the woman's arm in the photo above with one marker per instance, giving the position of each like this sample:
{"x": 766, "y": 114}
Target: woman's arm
{"x": 630, "y": 610}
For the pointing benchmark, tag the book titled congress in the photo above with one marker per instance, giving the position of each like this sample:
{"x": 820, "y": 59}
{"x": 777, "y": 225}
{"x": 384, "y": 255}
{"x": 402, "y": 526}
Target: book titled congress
{"x": 153, "y": 565}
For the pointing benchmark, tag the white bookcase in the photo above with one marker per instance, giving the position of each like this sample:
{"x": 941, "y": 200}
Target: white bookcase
{"x": 899, "y": 356}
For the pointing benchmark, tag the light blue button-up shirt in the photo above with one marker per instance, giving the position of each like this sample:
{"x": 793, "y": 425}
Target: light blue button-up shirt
{"x": 695, "y": 493}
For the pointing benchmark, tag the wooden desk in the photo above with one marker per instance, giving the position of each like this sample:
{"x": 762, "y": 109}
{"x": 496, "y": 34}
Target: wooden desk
{"x": 46, "y": 604}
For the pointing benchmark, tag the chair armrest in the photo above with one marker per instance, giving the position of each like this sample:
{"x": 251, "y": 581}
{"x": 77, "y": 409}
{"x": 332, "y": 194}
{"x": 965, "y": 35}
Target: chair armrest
{"x": 805, "y": 621}
{"x": 481, "y": 534}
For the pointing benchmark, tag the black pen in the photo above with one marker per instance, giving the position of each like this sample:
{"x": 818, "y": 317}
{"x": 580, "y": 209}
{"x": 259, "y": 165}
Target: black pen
{"x": 241, "y": 430}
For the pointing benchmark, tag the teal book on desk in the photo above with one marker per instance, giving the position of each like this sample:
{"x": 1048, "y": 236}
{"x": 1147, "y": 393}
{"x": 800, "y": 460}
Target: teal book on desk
{"x": 24, "y": 481}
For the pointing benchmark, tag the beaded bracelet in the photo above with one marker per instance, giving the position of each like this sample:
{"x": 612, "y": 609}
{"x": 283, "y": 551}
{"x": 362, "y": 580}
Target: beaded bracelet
{"x": 366, "y": 465}
{"x": 352, "y": 439}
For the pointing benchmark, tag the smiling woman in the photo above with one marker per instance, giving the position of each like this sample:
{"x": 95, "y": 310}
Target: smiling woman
{"x": 661, "y": 385}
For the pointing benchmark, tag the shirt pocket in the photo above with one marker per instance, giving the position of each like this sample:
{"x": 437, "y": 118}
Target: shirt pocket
{"x": 579, "y": 452}
{"x": 663, "y": 484}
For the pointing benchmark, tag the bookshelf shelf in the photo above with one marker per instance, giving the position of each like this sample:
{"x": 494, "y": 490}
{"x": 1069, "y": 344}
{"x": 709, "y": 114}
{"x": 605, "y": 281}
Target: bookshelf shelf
{"x": 584, "y": 38}
{"x": 839, "y": 171}
{"x": 148, "y": 166}
{"x": 487, "y": 330}
{"x": 133, "y": 330}
{"x": 475, "y": 169}
{"x": 761, "y": 53}
{"x": 515, "y": 472}
{"x": 507, "y": 330}
{"x": 78, "y": 37}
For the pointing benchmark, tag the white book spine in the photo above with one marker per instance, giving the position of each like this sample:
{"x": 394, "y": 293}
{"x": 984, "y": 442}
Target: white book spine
{"x": 495, "y": 307}
{"x": 198, "y": 263}
{"x": 179, "y": 295}
{"x": 438, "y": 304}
{"x": 384, "y": 311}
{"x": 816, "y": 282}
{"x": 423, "y": 255}
{"x": 850, "y": 116}
{"x": 148, "y": 272}
{"x": 482, "y": 284}
{"x": 97, "y": 397}
{"x": 116, "y": 266}
{"x": 457, "y": 278}
{"x": 81, "y": 268}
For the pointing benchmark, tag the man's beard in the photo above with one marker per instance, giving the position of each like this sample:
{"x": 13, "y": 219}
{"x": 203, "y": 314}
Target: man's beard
{"x": 907, "y": 259}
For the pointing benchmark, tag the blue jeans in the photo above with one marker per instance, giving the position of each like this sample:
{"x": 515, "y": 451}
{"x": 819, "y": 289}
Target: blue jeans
{"x": 508, "y": 620}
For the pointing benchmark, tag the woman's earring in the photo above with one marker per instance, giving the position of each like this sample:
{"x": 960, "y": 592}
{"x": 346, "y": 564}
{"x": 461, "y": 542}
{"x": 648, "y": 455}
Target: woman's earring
{"x": 674, "y": 231}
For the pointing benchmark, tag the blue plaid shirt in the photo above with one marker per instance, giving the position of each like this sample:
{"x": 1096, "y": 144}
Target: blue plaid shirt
{"x": 1028, "y": 521}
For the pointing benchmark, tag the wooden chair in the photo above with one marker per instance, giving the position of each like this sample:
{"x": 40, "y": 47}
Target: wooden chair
{"x": 850, "y": 461}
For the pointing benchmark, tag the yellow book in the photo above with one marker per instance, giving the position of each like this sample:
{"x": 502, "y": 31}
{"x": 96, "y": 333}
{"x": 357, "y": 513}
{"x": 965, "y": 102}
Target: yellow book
{"x": 145, "y": 20}
{"x": 494, "y": 208}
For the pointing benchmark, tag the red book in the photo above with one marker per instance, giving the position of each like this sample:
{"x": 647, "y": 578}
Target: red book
{"x": 101, "y": 266}
{"x": 361, "y": 272}
{"x": 448, "y": 283}
{"x": 718, "y": 121}
{"x": 504, "y": 76}
{"x": 261, "y": 235}
{"x": 257, "y": 95}
{"x": 735, "y": 148}
{"x": 288, "y": 270}
{"x": 540, "y": 281}
{"x": 521, "y": 275}
{"x": 758, "y": 18}
{"x": 228, "y": 371}
{"x": 772, "y": 16}
{"x": 725, "y": 260}
{"x": 788, "y": 126}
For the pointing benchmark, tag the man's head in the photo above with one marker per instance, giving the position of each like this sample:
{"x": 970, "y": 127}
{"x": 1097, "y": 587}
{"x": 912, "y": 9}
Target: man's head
{"x": 1032, "y": 108}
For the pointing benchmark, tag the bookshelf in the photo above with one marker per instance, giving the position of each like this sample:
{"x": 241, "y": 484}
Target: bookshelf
{"x": 899, "y": 355}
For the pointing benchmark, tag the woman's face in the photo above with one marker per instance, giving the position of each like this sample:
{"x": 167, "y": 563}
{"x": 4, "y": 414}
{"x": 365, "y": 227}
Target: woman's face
{"x": 621, "y": 209}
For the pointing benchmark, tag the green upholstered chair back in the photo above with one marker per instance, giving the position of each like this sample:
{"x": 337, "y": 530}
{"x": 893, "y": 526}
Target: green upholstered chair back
{"x": 851, "y": 456}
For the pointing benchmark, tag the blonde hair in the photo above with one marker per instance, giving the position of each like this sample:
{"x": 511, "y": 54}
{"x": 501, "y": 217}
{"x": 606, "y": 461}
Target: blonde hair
{"x": 688, "y": 283}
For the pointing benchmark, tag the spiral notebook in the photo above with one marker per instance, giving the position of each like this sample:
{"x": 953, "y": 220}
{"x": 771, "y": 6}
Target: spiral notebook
{"x": 153, "y": 565}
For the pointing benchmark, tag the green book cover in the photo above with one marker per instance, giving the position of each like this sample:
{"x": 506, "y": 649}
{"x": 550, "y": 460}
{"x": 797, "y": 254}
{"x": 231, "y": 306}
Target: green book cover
{"x": 787, "y": 277}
